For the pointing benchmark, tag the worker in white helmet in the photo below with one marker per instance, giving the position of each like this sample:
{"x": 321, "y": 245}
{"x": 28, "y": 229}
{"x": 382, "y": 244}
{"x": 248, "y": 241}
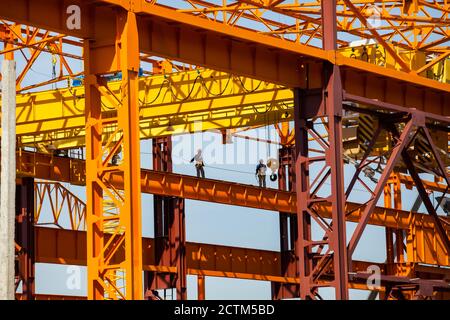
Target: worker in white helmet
{"x": 261, "y": 169}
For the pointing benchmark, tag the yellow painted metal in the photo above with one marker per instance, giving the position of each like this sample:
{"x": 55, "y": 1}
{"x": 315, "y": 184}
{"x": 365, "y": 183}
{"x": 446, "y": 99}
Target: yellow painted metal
{"x": 440, "y": 71}
{"x": 360, "y": 135}
{"x": 179, "y": 103}
{"x": 377, "y": 54}
{"x": 171, "y": 104}
{"x": 113, "y": 124}
{"x": 186, "y": 102}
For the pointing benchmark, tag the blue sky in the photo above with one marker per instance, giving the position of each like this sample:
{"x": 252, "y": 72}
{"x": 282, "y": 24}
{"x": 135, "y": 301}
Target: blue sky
{"x": 220, "y": 224}
{"x": 214, "y": 223}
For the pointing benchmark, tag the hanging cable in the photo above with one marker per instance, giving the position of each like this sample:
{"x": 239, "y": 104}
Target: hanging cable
{"x": 248, "y": 91}
{"x": 174, "y": 96}
{"x": 156, "y": 98}
{"x": 252, "y": 174}
{"x": 214, "y": 167}
{"x": 215, "y": 94}
{"x": 202, "y": 83}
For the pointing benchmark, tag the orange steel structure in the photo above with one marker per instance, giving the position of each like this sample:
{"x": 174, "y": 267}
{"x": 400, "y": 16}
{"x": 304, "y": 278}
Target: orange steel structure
{"x": 423, "y": 242}
{"x": 31, "y": 42}
{"x": 305, "y": 53}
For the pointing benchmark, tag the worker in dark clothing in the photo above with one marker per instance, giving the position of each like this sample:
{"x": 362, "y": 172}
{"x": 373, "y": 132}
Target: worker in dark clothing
{"x": 199, "y": 164}
{"x": 261, "y": 173}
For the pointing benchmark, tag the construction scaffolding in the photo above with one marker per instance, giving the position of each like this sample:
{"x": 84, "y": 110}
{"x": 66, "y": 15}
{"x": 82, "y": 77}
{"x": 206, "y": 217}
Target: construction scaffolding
{"x": 357, "y": 91}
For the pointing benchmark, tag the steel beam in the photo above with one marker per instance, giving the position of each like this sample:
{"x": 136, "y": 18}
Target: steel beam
{"x": 25, "y": 238}
{"x": 288, "y": 227}
{"x": 50, "y": 297}
{"x": 182, "y": 100}
{"x": 126, "y": 223}
{"x": 60, "y": 246}
{"x": 169, "y": 226}
{"x": 57, "y": 117}
{"x": 312, "y": 262}
{"x": 187, "y": 38}
{"x": 167, "y": 33}
{"x": 427, "y": 202}
{"x": 201, "y": 288}
{"x": 403, "y": 141}
{"x": 47, "y": 167}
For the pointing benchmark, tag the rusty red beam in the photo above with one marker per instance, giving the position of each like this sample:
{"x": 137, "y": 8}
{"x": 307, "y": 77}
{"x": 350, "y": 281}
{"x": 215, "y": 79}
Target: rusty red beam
{"x": 432, "y": 114}
{"x": 68, "y": 247}
{"x": 47, "y": 167}
{"x": 403, "y": 141}
{"x": 20, "y": 296}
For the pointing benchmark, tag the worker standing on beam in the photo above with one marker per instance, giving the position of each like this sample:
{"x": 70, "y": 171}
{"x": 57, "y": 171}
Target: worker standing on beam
{"x": 199, "y": 164}
{"x": 261, "y": 173}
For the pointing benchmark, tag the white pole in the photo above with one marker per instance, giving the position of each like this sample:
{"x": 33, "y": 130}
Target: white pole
{"x": 8, "y": 180}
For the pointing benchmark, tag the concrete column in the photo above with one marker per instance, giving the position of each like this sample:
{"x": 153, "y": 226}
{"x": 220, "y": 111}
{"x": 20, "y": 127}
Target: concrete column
{"x": 8, "y": 180}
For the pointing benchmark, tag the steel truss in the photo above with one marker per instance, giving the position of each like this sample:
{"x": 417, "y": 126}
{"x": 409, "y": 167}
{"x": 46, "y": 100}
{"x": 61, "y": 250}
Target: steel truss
{"x": 170, "y": 234}
{"x": 407, "y": 105}
{"x": 126, "y": 222}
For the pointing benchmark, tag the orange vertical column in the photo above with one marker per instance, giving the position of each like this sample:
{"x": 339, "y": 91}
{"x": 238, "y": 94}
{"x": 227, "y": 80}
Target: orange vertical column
{"x": 111, "y": 274}
{"x": 128, "y": 120}
{"x": 201, "y": 292}
{"x": 94, "y": 192}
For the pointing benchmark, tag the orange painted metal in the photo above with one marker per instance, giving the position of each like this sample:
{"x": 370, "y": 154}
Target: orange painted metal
{"x": 423, "y": 243}
{"x": 25, "y": 238}
{"x": 61, "y": 202}
{"x": 201, "y": 289}
{"x": 128, "y": 120}
{"x": 62, "y": 169}
{"x": 116, "y": 32}
{"x": 395, "y": 238}
{"x": 191, "y": 39}
{"x": 409, "y": 184}
{"x": 169, "y": 229}
{"x": 50, "y": 297}
{"x": 65, "y": 246}
{"x": 69, "y": 247}
{"x": 185, "y": 42}
{"x": 35, "y": 41}
{"x": 103, "y": 273}
{"x": 94, "y": 192}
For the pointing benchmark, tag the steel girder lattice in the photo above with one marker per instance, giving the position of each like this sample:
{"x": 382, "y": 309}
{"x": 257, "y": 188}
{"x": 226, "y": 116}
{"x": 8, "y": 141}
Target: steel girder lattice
{"x": 126, "y": 231}
{"x": 407, "y": 97}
